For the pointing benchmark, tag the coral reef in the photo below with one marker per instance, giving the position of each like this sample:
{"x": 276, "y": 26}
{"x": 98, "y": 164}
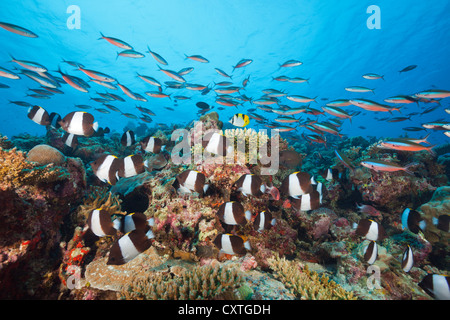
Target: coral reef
{"x": 36, "y": 201}
{"x": 305, "y": 255}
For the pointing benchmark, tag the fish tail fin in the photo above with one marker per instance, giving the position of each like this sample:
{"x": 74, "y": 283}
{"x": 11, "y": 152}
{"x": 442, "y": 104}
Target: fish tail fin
{"x": 101, "y": 36}
{"x": 406, "y": 168}
{"x": 424, "y": 139}
{"x": 95, "y": 126}
{"x": 432, "y": 152}
{"x": 117, "y": 56}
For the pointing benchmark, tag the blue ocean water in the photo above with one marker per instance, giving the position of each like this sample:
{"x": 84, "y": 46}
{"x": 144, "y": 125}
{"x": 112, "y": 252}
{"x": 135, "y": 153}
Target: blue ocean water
{"x": 331, "y": 38}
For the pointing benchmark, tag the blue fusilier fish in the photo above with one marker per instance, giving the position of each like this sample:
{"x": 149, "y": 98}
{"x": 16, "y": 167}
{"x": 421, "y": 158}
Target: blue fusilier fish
{"x": 157, "y": 56}
{"x": 242, "y": 63}
{"x": 379, "y": 165}
{"x": 117, "y": 42}
{"x": 18, "y": 30}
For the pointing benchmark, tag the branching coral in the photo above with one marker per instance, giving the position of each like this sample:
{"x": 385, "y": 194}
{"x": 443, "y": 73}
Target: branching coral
{"x": 5, "y": 143}
{"x": 306, "y": 284}
{"x": 202, "y": 282}
{"x": 98, "y": 197}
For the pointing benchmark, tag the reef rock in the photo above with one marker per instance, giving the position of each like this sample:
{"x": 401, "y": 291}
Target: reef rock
{"x": 35, "y": 200}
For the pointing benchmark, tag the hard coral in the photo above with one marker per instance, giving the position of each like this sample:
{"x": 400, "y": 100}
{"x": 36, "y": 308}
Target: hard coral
{"x": 306, "y": 284}
{"x": 45, "y": 154}
{"x": 198, "y": 283}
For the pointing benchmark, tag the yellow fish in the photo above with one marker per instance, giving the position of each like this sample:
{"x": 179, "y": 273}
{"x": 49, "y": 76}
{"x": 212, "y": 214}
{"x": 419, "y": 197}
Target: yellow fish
{"x": 240, "y": 120}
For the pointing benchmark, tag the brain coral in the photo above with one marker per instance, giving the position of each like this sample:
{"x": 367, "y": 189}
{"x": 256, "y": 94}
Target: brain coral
{"x": 45, "y": 154}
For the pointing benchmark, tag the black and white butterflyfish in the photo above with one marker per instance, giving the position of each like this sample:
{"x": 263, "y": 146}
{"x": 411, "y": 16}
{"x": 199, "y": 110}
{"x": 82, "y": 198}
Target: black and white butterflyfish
{"x": 152, "y": 144}
{"x": 232, "y": 244}
{"x": 129, "y": 246}
{"x": 99, "y": 221}
{"x": 128, "y": 138}
{"x": 250, "y": 184}
{"x": 233, "y": 213}
{"x": 134, "y": 221}
{"x": 190, "y": 181}
{"x": 106, "y": 168}
{"x": 264, "y": 221}
{"x": 39, "y": 115}
{"x": 412, "y": 221}
{"x": 70, "y": 140}
{"x": 218, "y": 144}
{"x": 407, "y": 259}
{"x": 297, "y": 184}
{"x": 371, "y": 252}
{"x": 441, "y": 222}
{"x": 437, "y": 286}
{"x": 80, "y": 123}
{"x": 371, "y": 230}
{"x": 55, "y": 118}
{"x": 131, "y": 165}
